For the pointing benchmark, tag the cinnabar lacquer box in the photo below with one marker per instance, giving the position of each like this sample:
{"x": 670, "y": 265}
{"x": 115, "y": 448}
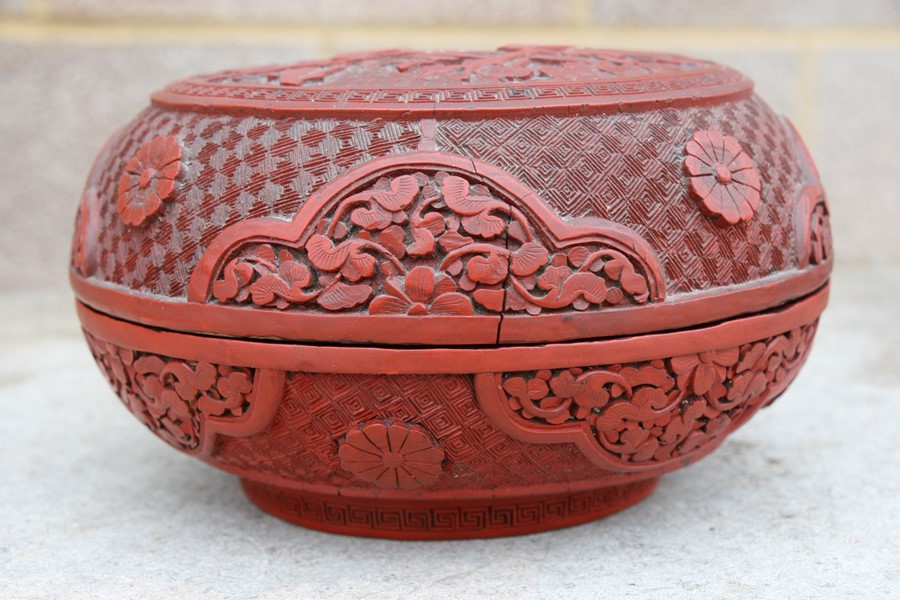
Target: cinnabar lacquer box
{"x": 452, "y": 294}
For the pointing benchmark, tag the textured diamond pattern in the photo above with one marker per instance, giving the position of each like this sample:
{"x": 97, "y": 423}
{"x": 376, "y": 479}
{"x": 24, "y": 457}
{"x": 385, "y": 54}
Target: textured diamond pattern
{"x": 234, "y": 169}
{"x": 302, "y": 444}
{"x": 628, "y": 168}
{"x": 623, "y": 167}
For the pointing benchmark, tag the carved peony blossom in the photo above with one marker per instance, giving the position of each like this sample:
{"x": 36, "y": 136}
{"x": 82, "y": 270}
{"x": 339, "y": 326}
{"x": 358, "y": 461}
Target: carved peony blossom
{"x": 394, "y": 455}
{"x": 149, "y": 179}
{"x": 421, "y": 294}
{"x": 705, "y": 370}
{"x": 722, "y": 177}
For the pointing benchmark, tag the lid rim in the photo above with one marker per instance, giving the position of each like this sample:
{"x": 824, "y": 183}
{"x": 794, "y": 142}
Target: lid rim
{"x": 676, "y": 313}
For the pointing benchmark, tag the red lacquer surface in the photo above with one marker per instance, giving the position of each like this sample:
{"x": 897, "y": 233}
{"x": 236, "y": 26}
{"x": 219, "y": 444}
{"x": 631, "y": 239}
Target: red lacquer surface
{"x": 443, "y": 295}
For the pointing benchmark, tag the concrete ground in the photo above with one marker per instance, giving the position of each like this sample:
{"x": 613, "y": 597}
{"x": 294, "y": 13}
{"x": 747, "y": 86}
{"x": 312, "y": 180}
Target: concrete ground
{"x": 803, "y": 502}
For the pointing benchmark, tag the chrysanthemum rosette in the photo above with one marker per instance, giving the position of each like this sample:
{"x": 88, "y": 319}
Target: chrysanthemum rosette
{"x": 392, "y": 455}
{"x": 149, "y": 179}
{"x": 723, "y": 177}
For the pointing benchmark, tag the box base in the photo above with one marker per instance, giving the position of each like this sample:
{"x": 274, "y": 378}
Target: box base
{"x": 423, "y": 519}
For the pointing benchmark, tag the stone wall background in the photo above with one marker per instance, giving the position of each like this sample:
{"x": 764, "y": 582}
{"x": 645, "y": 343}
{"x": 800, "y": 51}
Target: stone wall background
{"x": 71, "y": 71}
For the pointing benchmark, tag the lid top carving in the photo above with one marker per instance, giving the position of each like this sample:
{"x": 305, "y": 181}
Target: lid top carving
{"x": 509, "y": 64}
{"x": 511, "y": 78}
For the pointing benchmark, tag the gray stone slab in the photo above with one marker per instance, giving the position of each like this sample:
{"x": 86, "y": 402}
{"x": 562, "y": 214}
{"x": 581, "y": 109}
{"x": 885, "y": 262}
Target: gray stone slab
{"x": 800, "y": 503}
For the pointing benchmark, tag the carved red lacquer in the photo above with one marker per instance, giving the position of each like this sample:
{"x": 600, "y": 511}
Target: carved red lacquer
{"x": 647, "y": 415}
{"x": 432, "y": 295}
{"x": 186, "y": 403}
{"x": 427, "y": 238}
{"x": 149, "y": 179}
{"x": 722, "y": 177}
{"x": 391, "y": 455}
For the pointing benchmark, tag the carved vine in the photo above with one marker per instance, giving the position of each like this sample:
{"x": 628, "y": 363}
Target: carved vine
{"x": 813, "y": 227}
{"x": 174, "y": 398}
{"x": 819, "y": 235}
{"x": 430, "y": 243}
{"x": 654, "y": 412}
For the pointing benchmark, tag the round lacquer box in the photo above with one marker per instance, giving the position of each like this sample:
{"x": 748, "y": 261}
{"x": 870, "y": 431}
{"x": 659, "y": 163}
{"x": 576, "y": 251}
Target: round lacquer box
{"x": 452, "y": 294}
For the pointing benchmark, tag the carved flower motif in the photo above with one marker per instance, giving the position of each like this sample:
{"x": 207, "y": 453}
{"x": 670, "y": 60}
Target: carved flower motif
{"x": 394, "y": 455}
{"x": 820, "y": 236}
{"x": 421, "y": 294}
{"x": 84, "y": 245}
{"x": 149, "y": 179}
{"x": 705, "y": 370}
{"x": 722, "y": 177}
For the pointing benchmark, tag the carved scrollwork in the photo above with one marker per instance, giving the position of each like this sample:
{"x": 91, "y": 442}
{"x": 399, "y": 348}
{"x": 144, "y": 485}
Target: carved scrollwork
{"x": 431, "y": 239}
{"x": 647, "y": 415}
{"x": 186, "y": 403}
{"x": 813, "y": 227}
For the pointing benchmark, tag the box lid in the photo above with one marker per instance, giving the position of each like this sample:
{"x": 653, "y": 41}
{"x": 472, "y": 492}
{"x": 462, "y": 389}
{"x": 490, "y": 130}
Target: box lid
{"x": 523, "y": 195}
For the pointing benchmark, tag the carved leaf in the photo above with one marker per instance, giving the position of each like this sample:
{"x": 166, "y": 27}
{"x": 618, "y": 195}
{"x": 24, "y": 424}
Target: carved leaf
{"x": 372, "y": 219}
{"x": 578, "y": 255}
{"x": 394, "y": 239}
{"x": 489, "y": 270}
{"x": 452, "y": 240}
{"x": 533, "y": 389}
{"x": 389, "y": 269}
{"x": 490, "y": 299}
{"x": 266, "y": 253}
{"x": 403, "y": 190}
{"x": 565, "y": 385}
{"x": 341, "y": 296}
{"x": 423, "y": 242}
{"x": 553, "y": 277}
{"x": 324, "y": 255}
{"x": 192, "y": 381}
{"x": 517, "y": 233}
{"x": 484, "y": 224}
{"x": 752, "y": 357}
{"x": 528, "y": 259}
{"x": 340, "y": 231}
{"x": 613, "y": 268}
{"x": 634, "y": 284}
{"x": 456, "y": 195}
{"x": 433, "y": 222}
{"x": 634, "y": 438}
{"x": 359, "y": 265}
{"x": 584, "y": 285}
{"x": 516, "y": 386}
{"x": 452, "y": 303}
{"x": 295, "y": 274}
{"x": 614, "y": 295}
{"x": 389, "y": 305}
{"x": 265, "y": 289}
{"x": 648, "y": 375}
{"x": 227, "y": 287}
